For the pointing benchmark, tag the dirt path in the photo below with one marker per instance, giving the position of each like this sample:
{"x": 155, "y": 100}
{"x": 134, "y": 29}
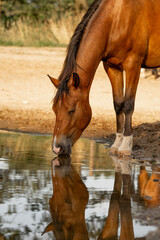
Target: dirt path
{"x": 26, "y": 99}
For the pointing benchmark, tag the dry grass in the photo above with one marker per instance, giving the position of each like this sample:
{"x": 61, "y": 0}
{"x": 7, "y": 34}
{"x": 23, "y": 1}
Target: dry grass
{"x": 23, "y": 34}
{"x": 53, "y": 33}
{"x": 64, "y": 28}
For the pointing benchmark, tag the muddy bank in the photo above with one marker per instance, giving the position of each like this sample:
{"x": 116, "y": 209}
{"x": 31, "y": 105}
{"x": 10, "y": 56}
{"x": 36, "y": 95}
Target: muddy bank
{"x": 146, "y": 135}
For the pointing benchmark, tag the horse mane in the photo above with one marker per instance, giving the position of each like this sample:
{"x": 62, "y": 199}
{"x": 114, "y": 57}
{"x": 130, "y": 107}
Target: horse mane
{"x": 72, "y": 50}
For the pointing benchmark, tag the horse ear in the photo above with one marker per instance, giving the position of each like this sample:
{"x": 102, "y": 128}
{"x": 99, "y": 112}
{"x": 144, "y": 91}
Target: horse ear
{"x": 76, "y": 80}
{"x": 48, "y": 228}
{"x": 54, "y": 81}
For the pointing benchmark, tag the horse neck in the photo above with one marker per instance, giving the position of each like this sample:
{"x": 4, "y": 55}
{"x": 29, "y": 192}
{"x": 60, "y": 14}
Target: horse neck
{"x": 87, "y": 63}
{"x": 92, "y": 48}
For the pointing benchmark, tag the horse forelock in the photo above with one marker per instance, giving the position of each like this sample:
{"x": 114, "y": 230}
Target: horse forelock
{"x": 70, "y": 61}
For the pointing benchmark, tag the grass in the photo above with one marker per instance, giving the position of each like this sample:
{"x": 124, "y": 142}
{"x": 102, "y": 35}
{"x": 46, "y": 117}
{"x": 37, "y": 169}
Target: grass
{"x": 23, "y": 34}
{"x": 52, "y": 34}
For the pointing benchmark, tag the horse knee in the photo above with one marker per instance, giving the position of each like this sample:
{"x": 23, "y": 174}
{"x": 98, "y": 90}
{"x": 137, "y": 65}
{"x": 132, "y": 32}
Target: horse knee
{"x": 118, "y": 107}
{"x": 128, "y": 106}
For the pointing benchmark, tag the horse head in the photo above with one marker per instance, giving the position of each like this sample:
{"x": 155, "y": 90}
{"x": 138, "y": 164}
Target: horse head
{"x": 73, "y": 113}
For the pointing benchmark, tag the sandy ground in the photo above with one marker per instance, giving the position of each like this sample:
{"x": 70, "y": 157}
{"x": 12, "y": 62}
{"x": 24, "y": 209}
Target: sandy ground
{"x": 26, "y": 99}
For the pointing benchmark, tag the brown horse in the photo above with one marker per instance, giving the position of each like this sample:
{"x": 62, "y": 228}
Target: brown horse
{"x": 125, "y": 35}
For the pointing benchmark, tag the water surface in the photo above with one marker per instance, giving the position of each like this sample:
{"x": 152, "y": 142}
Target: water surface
{"x": 96, "y": 196}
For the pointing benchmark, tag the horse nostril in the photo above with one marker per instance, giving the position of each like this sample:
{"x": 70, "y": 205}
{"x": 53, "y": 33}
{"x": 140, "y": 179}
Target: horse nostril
{"x": 56, "y": 149}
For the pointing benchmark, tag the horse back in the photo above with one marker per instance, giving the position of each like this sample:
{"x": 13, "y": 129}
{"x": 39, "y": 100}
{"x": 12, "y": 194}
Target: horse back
{"x": 131, "y": 27}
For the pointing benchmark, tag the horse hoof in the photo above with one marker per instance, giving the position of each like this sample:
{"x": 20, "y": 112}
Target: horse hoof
{"x": 126, "y": 147}
{"x": 124, "y": 153}
{"x": 113, "y": 151}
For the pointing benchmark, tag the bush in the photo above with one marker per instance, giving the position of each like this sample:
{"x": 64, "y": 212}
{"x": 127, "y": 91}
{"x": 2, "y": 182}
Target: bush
{"x": 39, "y": 22}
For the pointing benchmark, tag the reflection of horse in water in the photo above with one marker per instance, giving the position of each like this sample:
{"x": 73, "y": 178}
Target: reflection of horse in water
{"x": 68, "y": 203}
{"x": 70, "y": 197}
{"x": 120, "y": 204}
{"x": 149, "y": 187}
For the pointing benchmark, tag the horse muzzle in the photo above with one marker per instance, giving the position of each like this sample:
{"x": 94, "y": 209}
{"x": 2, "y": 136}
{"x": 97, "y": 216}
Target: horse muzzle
{"x": 62, "y": 147}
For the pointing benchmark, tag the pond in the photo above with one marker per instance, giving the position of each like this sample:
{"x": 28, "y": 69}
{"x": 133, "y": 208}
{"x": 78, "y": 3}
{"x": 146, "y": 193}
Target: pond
{"x": 91, "y": 195}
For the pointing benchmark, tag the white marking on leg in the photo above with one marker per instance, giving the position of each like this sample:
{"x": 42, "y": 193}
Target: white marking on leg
{"x": 116, "y": 163}
{"x": 126, "y": 166}
{"x": 126, "y": 146}
{"x": 117, "y": 143}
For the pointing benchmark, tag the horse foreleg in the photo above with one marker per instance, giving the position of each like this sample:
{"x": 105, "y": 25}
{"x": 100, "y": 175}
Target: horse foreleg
{"x": 132, "y": 77}
{"x": 116, "y": 79}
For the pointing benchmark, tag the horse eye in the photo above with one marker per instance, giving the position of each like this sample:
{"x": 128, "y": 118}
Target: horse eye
{"x": 72, "y": 111}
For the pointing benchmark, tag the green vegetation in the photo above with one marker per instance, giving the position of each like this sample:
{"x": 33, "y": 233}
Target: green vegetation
{"x": 39, "y": 22}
